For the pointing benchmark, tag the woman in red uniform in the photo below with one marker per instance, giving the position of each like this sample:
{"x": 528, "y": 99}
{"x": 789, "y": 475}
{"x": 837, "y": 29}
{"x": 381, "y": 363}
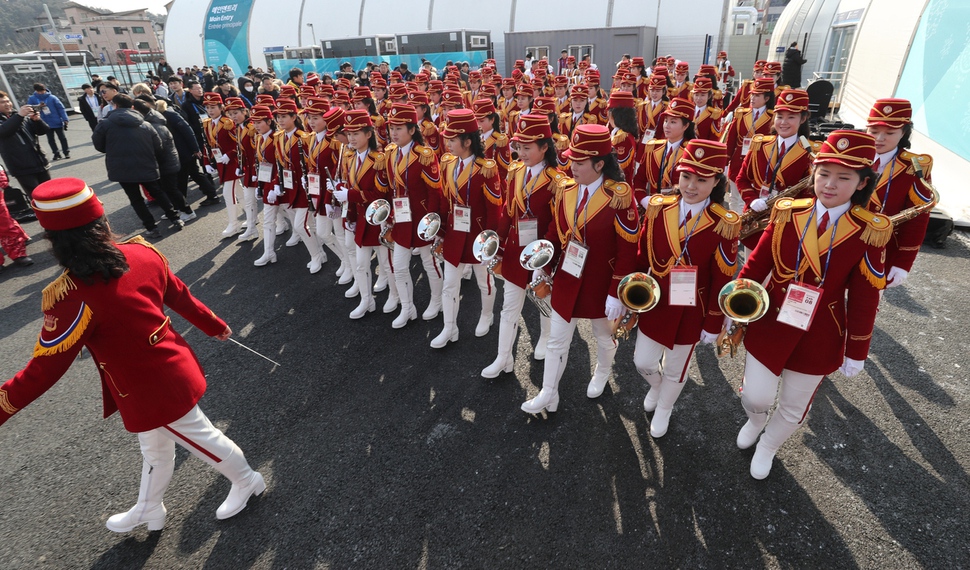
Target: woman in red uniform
{"x": 595, "y": 232}
{"x": 748, "y": 122}
{"x": 689, "y": 245}
{"x": 472, "y": 203}
{"x": 707, "y": 117}
{"x": 533, "y": 184}
{"x": 650, "y": 110}
{"x": 429, "y": 131}
{"x": 495, "y": 142}
{"x": 775, "y": 162}
{"x": 219, "y": 133}
{"x": 578, "y": 113}
{"x": 267, "y": 179}
{"x": 898, "y": 186}
{"x": 624, "y": 131}
{"x": 366, "y": 181}
{"x": 111, "y": 300}
{"x": 655, "y": 173}
{"x": 824, "y": 257}
{"x": 323, "y": 156}
{"x": 415, "y": 180}
{"x": 245, "y": 153}
{"x": 291, "y": 190}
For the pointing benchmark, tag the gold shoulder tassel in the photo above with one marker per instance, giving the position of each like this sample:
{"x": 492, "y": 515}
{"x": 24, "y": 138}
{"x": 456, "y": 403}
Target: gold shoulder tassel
{"x": 56, "y": 291}
{"x": 426, "y": 155}
{"x": 877, "y": 237}
{"x": 877, "y": 281}
{"x": 622, "y": 196}
{"x": 380, "y": 161}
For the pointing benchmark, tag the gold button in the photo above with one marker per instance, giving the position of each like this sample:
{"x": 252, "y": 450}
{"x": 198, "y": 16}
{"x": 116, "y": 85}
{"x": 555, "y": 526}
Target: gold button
{"x": 817, "y": 280}
{"x": 154, "y": 338}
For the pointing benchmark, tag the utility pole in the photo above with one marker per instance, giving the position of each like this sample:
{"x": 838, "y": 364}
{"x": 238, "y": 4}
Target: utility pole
{"x": 57, "y": 36}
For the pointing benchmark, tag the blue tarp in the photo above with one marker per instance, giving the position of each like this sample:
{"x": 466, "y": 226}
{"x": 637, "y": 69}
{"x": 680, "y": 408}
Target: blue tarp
{"x": 331, "y": 66}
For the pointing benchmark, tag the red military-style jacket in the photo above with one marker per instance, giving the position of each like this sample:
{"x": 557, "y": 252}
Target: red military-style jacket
{"x": 846, "y": 311}
{"x": 265, "y": 152}
{"x": 656, "y": 170}
{"x": 711, "y": 249}
{"x": 535, "y": 200}
{"x": 417, "y": 178}
{"x": 323, "y": 156}
{"x": 432, "y": 137}
{"x": 246, "y": 153}
{"x": 707, "y": 124}
{"x": 477, "y": 187}
{"x": 148, "y": 372}
{"x": 567, "y": 125}
{"x": 741, "y": 128}
{"x": 608, "y": 227}
{"x": 497, "y": 149}
{"x": 625, "y": 145}
{"x": 742, "y": 98}
{"x": 291, "y": 155}
{"x": 682, "y": 91}
{"x": 221, "y": 134}
{"x": 366, "y": 181}
{"x": 905, "y": 190}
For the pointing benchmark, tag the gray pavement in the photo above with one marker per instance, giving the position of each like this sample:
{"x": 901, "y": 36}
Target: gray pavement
{"x": 380, "y": 452}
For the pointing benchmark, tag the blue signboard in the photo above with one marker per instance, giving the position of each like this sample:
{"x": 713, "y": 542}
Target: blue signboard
{"x": 227, "y": 33}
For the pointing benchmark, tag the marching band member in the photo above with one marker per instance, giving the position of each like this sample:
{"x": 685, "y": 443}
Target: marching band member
{"x": 429, "y": 131}
{"x": 291, "y": 191}
{"x": 323, "y": 155}
{"x": 682, "y": 87}
{"x": 523, "y": 102}
{"x": 622, "y": 118}
{"x": 561, "y": 89}
{"x": 748, "y": 122}
{"x": 724, "y": 70}
{"x": 506, "y": 102}
{"x": 655, "y": 173}
{"x": 707, "y": 117}
{"x": 496, "y": 143}
{"x": 578, "y": 113}
{"x": 572, "y": 72}
{"x": 435, "y": 89}
{"x": 266, "y": 179}
{"x": 650, "y": 110}
{"x": 110, "y": 299}
{"x": 219, "y": 136}
{"x": 364, "y": 100}
{"x": 898, "y": 187}
{"x": 412, "y": 170}
{"x": 689, "y": 244}
{"x": 772, "y": 70}
{"x": 366, "y": 171}
{"x": 638, "y": 68}
{"x": 533, "y": 185}
{"x": 597, "y": 98}
{"x": 473, "y": 198}
{"x": 335, "y": 123}
{"x": 825, "y": 259}
{"x": 245, "y": 153}
{"x": 776, "y": 162}
{"x": 743, "y": 97}
{"x": 595, "y": 231}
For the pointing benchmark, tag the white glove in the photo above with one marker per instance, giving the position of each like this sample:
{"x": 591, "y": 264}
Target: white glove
{"x": 728, "y": 323}
{"x": 896, "y": 277}
{"x": 330, "y": 185}
{"x": 238, "y": 173}
{"x": 352, "y": 226}
{"x": 614, "y": 308}
{"x": 851, "y": 367}
{"x": 330, "y": 210}
{"x": 758, "y": 205}
{"x": 340, "y": 193}
{"x": 645, "y": 202}
{"x": 273, "y": 195}
{"x": 211, "y": 169}
{"x": 223, "y": 159}
{"x": 707, "y": 338}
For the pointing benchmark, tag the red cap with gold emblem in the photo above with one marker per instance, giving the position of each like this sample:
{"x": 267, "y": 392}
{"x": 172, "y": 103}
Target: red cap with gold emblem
{"x": 286, "y": 106}
{"x": 316, "y": 106}
{"x": 671, "y": 61}
{"x": 234, "y": 103}
{"x": 763, "y": 85}
{"x": 759, "y": 65}
{"x": 287, "y": 91}
{"x": 793, "y": 100}
{"x": 540, "y": 73}
{"x": 307, "y": 90}
{"x": 531, "y": 128}
{"x": 579, "y": 92}
{"x": 661, "y": 70}
{"x": 772, "y": 68}
{"x": 525, "y": 91}
{"x": 460, "y": 122}
{"x": 418, "y": 98}
{"x": 682, "y": 67}
{"x": 361, "y": 93}
{"x": 411, "y": 85}
{"x": 701, "y": 85}
{"x": 396, "y": 76}
{"x": 334, "y": 118}
{"x": 638, "y": 62}
{"x": 722, "y": 54}
{"x": 703, "y": 157}
{"x": 657, "y": 82}
{"x": 508, "y": 83}
{"x": 65, "y": 203}
{"x": 852, "y": 149}
{"x": 707, "y": 69}
{"x": 341, "y": 98}
{"x": 357, "y": 120}
{"x": 378, "y": 83}
{"x": 265, "y": 99}
{"x": 894, "y": 113}
{"x": 474, "y": 75}
{"x": 544, "y": 106}
{"x": 560, "y": 81}
{"x": 211, "y": 98}
{"x": 482, "y": 108}
{"x": 422, "y": 78}
{"x": 436, "y": 86}
{"x": 451, "y": 98}
{"x": 680, "y": 107}
{"x": 488, "y": 90}
{"x": 325, "y": 90}
{"x": 593, "y": 77}
{"x": 397, "y": 91}
{"x": 570, "y": 59}
{"x": 344, "y": 83}
{"x": 589, "y": 141}
{"x": 402, "y": 114}
{"x": 622, "y": 99}
{"x": 261, "y": 113}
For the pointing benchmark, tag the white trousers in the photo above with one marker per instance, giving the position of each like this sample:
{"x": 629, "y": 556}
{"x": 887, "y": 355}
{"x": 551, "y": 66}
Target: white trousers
{"x": 229, "y": 196}
{"x": 557, "y": 349}
{"x": 326, "y": 234}
{"x": 451, "y": 288}
{"x": 300, "y": 218}
{"x": 401, "y": 264}
{"x": 759, "y": 390}
{"x": 270, "y": 213}
{"x": 364, "y": 276}
{"x": 648, "y": 354}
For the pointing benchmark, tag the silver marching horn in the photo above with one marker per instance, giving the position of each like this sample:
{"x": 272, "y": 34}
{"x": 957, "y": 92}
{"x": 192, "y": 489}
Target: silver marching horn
{"x": 377, "y": 212}
{"x": 485, "y": 248}
{"x": 536, "y": 255}
{"x": 428, "y": 227}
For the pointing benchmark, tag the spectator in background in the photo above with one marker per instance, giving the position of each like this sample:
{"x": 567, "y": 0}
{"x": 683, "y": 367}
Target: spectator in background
{"x": 117, "y": 84}
{"x": 189, "y": 155}
{"x": 108, "y": 91}
{"x": 247, "y": 90}
{"x": 160, "y": 87}
{"x": 165, "y": 70}
{"x": 406, "y": 74}
{"x": 168, "y": 159}
{"x": 563, "y": 61}
{"x": 268, "y": 86}
{"x": 791, "y": 72}
{"x": 225, "y": 88}
{"x": 21, "y": 152}
{"x": 131, "y": 147}
{"x": 90, "y": 104}
{"x": 296, "y": 78}
{"x": 53, "y": 113}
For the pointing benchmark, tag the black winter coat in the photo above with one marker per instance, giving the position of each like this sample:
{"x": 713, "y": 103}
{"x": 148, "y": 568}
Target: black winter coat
{"x": 791, "y": 72}
{"x": 19, "y": 147}
{"x": 130, "y": 146}
{"x": 168, "y": 159}
{"x": 185, "y": 142}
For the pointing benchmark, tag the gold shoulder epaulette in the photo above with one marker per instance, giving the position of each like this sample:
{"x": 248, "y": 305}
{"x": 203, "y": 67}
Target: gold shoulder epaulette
{"x": 561, "y": 141}
{"x": 622, "y": 194}
{"x": 816, "y": 146}
{"x": 143, "y": 242}
{"x": 489, "y": 167}
{"x": 227, "y": 123}
{"x": 501, "y": 140}
{"x": 425, "y": 156}
{"x": 378, "y": 121}
{"x": 428, "y": 129}
{"x": 559, "y": 181}
{"x": 657, "y": 203}
{"x": 515, "y": 165}
{"x": 781, "y": 213}
{"x": 447, "y": 157}
{"x": 619, "y": 137}
{"x": 759, "y": 138}
{"x": 729, "y": 224}
{"x": 923, "y": 161}
{"x": 390, "y": 148}
{"x": 879, "y": 229}
{"x": 380, "y": 160}
{"x": 56, "y": 291}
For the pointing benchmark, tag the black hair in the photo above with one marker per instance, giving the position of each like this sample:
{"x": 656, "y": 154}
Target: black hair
{"x": 371, "y": 105}
{"x": 122, "y": 101}
{"x": 625, "y": 119}
{"x": 416, "y": 135}
{"x": 611, "y": 167}
{"x": 554, "y": 123}
{"x": 496, "y": 122}
{"x": 40, "y": 87}
{"x": 689, "y": 132}
{"x": 89, "y": 251}
{"x": 803, "y": 129}
{"x": 720, "y": 189}
{"x": 143, "y": 107}
{"x": 477, "y": 146}
{"x": 296, "y": 72}
{"x": 550, "y": 156}
{"x": 371, "y": 137}
{"x": 770, "y": 99}
{"x": 904, "y": 142}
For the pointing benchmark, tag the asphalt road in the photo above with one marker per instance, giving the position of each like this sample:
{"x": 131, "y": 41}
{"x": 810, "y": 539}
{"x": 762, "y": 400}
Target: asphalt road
{"x": 380, "y": 452}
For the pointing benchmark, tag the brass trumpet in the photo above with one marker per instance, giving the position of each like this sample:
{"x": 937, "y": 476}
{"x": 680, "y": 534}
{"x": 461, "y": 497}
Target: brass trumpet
{"x": 639, "y": 292}
{"x": 536, "y": 255}
{"x": 485, "y": 248}
{"x": 428, "y": 227}
{"x": 377, "y": 213}
{"x": 743, "y": 301}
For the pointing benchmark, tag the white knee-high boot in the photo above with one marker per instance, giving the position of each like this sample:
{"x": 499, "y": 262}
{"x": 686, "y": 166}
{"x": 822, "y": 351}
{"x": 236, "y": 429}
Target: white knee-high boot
{"x": 776, "y": 433}
{"x": 269, "y": 235}
{"x": 540, "y": 349}
{"x": 435, "y": 281}
{"x": 149, "y": 509}
{"x": 249, "y": 207}
{"x": 232, "y": 211}
{"x": 245, "y": 483}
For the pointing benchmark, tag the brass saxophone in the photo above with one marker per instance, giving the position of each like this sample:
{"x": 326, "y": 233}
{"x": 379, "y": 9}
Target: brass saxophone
{"x": 753, "y": 222}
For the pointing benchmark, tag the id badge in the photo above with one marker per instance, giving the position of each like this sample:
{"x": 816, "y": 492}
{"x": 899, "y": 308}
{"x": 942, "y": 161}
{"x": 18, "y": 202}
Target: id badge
{"x": 288, "y": 179}
{"x": 765, "y": 193}
{"x": 402, "y": 209}
{"x": 575, "y": 258}
{"x": 463, "y": 219}
{"x": 745, "y": 145}
{"x": 528, "y": 230}
{"x": 800, "y": 304}
{"x": 265, "y": 173}
{"x": 216, "y": 154}
{"x": 683, "y": 286}
{"x": 313, "y": 184}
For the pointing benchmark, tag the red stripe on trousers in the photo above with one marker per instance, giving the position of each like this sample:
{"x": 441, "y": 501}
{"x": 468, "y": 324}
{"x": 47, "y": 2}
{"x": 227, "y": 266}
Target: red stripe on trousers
{"x": 201, "y": 449}
{"x": 809, "y": 406}
{"x": 686, "y": 364}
